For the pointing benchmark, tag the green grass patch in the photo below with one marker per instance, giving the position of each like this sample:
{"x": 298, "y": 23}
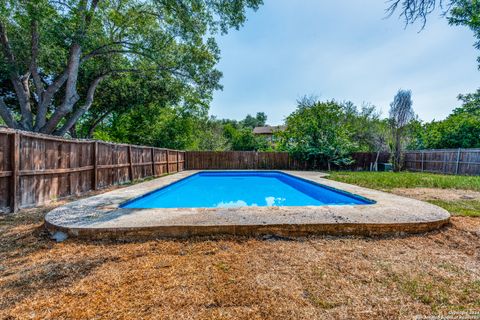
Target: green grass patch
{"x": 468, "y": 208}
{"x": 390, "y": 180}
{"x": 440, "y": 292}
{"x": 386, "y": 181}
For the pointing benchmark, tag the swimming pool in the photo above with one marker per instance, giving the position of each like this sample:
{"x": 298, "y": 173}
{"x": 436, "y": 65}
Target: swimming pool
{"x": 244, "y": 189}
{"x": 119, "y": 214}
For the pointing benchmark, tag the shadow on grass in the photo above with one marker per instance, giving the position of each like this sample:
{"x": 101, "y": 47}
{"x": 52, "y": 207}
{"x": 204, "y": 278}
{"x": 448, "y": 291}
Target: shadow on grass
{"x": 25, "y": 264}
{"x": 46, "y": 276}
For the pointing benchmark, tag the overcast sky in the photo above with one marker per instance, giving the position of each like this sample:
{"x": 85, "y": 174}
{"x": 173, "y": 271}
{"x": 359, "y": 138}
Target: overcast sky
{"x": 343, "y": 50}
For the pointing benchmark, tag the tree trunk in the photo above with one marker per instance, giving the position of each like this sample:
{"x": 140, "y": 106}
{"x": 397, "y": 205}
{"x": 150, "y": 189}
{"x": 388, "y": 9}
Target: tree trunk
{"x": 71, "y": 95}
{"x": 81, "y": 110}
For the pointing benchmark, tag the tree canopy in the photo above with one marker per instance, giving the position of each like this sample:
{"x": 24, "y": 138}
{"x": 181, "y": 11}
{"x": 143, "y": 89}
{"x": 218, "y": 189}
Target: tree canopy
{"x": 56, "y": 53}
{"x": 328, "y": 130}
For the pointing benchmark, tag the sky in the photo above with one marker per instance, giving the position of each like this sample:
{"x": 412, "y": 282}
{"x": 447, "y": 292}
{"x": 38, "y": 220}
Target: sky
{"x": 342, "y": 50}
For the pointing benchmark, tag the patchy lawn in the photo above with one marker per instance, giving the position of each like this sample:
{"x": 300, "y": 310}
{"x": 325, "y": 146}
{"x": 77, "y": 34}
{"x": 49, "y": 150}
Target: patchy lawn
{"x": 311, "y": 278}
{"x": 460, "y": 195}
{"x": 389, "y": 180}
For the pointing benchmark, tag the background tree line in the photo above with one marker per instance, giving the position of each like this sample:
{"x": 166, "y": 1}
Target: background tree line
{"x": 143, "y": 72}
{"x": 175, "y": 127}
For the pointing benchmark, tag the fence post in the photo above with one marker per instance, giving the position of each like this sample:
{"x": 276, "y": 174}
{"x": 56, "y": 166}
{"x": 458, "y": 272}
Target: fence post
{"x": 178, "y": 162}
{"x": 423, "y": 156}
{"x": 15, "y": 160}
{"x": 130, "y": 168}
{"x": 95, "y": 164}
{"x": 168, "y": 161}
{"x": 458, "y": 161}
{"x": 444, "y": 162}
{"x": 153, "y": 162}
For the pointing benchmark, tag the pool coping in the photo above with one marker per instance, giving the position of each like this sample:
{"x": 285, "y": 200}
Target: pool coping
{"x": 100, "y": 216}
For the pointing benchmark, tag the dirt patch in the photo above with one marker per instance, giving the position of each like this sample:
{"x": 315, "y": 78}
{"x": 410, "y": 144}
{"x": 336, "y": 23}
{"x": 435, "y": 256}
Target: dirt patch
{"x": 309, "y": 278}
{"x": 437, "y": 194}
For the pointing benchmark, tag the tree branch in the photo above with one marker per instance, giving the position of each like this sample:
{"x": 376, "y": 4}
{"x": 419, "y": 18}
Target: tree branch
{"x": 48, "y": 94}
{"x": 69, "y": 75}
{"x": 91, "y": 12}
{"x": 71, "y": 95}
{"x": 107, "y": 49}
{"x": 84, "y": 108}
{"x": 413, "y": 10}
{"x": 37, "y": 81}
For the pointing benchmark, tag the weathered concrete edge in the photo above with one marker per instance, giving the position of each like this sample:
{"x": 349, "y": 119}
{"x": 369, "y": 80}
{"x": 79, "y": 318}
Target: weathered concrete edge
{"x": 283, "y": 230}
{"x": 254, "y": 229}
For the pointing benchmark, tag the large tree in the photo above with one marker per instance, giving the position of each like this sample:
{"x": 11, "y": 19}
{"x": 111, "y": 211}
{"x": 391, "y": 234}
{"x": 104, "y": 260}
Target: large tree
{"x": 319, "y": 130}
{"x": 55, "y": 53}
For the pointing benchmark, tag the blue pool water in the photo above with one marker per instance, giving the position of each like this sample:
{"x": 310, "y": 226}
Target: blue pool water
{"x": 240, "y": 189}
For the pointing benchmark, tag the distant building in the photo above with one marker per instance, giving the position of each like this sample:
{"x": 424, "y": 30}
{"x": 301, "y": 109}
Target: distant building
{"x": 268, "y": 131}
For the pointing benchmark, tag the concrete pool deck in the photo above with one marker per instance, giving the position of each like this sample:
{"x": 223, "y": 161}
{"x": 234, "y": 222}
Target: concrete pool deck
{"x": 100, "y": 216}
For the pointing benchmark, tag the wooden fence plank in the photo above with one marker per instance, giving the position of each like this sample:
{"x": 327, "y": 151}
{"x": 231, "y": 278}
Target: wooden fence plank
{"x": 458, "y": 161}
{"x": 152, "y": 155}
{"x": 95, "y": 165}
{"x": 130, "y": 163}
{"x": 15, "y": 149}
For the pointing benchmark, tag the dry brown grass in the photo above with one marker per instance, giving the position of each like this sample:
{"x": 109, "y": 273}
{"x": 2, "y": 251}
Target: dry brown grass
{"x": 313, "y": 278}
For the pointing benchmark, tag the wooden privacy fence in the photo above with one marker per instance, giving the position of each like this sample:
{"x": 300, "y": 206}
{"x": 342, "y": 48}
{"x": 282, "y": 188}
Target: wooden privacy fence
{"x": 37, "y": 169}
{"x": 451, "y": 161}
{"x": 204, "y": 160}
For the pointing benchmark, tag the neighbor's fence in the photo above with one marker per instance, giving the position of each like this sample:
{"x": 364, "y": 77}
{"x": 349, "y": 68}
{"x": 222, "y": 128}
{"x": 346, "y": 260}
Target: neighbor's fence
{"x": 36, "y": 169}
{"x": 450, "y": 161}
{"x": 205, "y": 160}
